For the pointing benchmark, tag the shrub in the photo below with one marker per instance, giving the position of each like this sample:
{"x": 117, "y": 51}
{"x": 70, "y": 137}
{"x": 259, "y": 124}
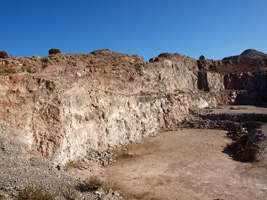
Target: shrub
{"x": 34, "y": 193}
{"x": 30, "y": 69}
{"x": 3, "y": 54}
{"x": 54, "y": 51}
{"x": 90, "y": 184}
{"x": 10, "y": 70}
{"x": 74, "y": 164}
{"x": 201, "y": 57}
{"x": 2, "y": 196}
{"x": 45, "y": 60}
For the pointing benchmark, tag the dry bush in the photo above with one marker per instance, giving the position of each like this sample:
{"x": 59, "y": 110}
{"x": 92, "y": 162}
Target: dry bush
{"x": 34, "y": 193}
{"x": 74, "y": 164}
{"x": 71, "y": 62}
{"x": 10, "y": 70}
{"x": 90, "y": 184}
{"x": 45, "y": 60}
{"x": 123, "y": 153}
{"x": 110, "y": 185}
{"x": 28, "y": 69}
{"x": 3, "y": 54}
{"x": 54, "y": 51}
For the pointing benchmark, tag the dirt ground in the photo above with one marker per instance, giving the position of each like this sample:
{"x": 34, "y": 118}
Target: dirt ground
{"x": 242, "y": 109}
{"x": 185, "y": 164}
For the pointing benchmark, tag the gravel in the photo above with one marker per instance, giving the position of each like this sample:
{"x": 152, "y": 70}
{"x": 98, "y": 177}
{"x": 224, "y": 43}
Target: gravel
{"x": 20, "y": 168}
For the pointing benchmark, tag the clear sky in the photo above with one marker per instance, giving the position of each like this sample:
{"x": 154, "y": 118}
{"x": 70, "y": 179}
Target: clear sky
{"x": 214, "y": 28}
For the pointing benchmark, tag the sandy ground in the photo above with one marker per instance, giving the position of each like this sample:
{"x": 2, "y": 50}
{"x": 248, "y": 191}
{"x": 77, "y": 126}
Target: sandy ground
{"x": 185, "y": 164}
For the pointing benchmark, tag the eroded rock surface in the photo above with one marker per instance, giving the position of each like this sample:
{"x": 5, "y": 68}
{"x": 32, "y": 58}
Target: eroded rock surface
{"x": 78, "y": 103}
{"x": 65, "y": 112}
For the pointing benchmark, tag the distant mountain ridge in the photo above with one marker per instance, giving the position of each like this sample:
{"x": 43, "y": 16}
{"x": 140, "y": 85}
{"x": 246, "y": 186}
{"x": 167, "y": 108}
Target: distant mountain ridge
{"x": 247, "y": 54}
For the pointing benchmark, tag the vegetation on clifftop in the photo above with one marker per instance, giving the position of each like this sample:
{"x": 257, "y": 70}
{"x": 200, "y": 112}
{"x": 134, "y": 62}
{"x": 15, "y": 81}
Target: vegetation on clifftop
{"x": 54, "y": 51}
{"x": 201, "y": 57}
{"x": 3, "y": 54}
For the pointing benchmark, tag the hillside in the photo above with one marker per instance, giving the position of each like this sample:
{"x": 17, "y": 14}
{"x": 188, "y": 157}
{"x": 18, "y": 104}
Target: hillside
{"x": 248, "y": 54}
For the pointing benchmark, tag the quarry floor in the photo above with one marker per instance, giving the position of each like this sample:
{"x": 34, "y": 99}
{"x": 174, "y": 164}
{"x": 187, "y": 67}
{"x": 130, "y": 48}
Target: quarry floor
{"x": 260, "y": 109}
{"x": 185, "y": 164}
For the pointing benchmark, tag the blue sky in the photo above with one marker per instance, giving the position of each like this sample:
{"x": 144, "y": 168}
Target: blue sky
{"x": 214, "y": 28}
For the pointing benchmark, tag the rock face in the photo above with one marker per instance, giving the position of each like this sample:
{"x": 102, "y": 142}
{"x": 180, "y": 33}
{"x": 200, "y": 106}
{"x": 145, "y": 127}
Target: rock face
{"x": 211, "y": 82}
{"x": 250, "y": 86}
{"x": 244, "y": 75}
{"x": 75, "y": 104}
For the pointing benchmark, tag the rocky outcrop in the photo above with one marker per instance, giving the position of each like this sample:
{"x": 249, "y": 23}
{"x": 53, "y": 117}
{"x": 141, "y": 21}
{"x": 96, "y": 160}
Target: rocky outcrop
{"x": 250, "y": 86}
{"x": 68, "y": 111}
{"x": 248, "y": 54}
{"x": 211, "y": 82}
{"x": 245, "y": 75}
{"x": 250, "y": 145}
{"x": 73, "y": 104}
{"x": 247, "y": 126}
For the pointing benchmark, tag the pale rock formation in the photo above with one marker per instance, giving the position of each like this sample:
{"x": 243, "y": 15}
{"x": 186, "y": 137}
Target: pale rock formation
{"x": 71, "y": 108}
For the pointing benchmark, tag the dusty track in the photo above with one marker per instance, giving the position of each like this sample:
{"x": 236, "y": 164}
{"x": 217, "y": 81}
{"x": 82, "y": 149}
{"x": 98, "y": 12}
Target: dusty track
{"x": 186, "y": 164}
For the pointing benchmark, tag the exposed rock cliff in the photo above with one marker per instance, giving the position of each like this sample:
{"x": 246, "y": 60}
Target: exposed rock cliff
{"x": 245, "y": 75}
{"x": 67, "y": 105}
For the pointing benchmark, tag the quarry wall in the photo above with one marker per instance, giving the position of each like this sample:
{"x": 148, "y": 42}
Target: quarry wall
{"x": 68, "y": 111}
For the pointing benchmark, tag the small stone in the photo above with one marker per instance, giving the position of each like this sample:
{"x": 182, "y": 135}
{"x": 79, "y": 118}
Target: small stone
{"x": 97, "y": 193}
{"x": 116, "y": 193}
{"x": 78, "y": 74}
